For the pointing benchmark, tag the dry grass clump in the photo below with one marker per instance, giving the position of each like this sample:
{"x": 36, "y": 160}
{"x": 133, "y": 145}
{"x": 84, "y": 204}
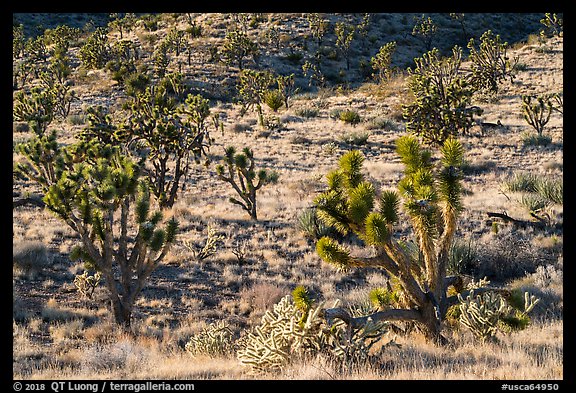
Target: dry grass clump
{"x": 30, "y": 258}
{"x": 260, "y": 297}
{"x": 507, "y": 252}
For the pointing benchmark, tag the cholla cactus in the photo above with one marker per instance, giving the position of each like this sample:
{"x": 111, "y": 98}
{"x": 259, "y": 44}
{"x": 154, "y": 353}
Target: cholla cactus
{"x": 487, "y": 313}
{"x": 238, "y": 170}
{"x": 215, "y": 340}
{"x": 268, "y": 346}
{"x": 481, "y": 313}
{"x": 295, "y": 328}
{"x": 86, "y": 283}
{"x": 209, "y": 248}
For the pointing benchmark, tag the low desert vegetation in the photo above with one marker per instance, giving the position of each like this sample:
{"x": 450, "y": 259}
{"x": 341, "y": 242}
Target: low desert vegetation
{"x": 288, "y": 196}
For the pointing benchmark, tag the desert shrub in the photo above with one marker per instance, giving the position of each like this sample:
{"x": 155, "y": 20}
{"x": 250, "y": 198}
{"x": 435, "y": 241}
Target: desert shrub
{"x": 381, "y": 123}
{"x": 306, "y": 112}
{"x": 20, "y": 126}
{"x": 261, "y": 296}
{"x": 547, "y": 284}
{"x": 349, "y": 116}
{"x": 537, "y": 192}
{"x": 31, "y": 257}
{"x": 462, "y": 256}
{"x": 508, "y": 254}
{"x": 533, "y": 202}
{"x": 529, "y": 139}
{"x": 551, "y": 189}
{"x": 123, "y": 354}
{"x": 356, "y": 138}
{"x": 522, "y": 182}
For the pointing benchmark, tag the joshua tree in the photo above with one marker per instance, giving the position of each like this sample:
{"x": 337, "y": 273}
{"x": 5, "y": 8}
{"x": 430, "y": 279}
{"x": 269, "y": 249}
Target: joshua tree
{"x": 286, "y": 87}
{"x": 252, "y": 86}
{"x": 167, "y": 135}
{"x": 442, "y": 97}
{"x": 537, "y": 110}
{"x": 98, "y": 192}
{"x": 425, "y": 30}
{"x": 238, "y": 170}
{"x": 237, "y": 46}
{"x": 96, "y": 51}
{"x": 490, "y": 64}
{"x": 432, "y": 200}
{"x": 318, "y": 26}
{"x": 382, "y": 60}
{"x": 344, "y": 36}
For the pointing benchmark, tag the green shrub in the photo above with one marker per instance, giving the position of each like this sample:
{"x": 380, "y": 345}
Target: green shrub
{"x": 306, "y": 112}
{"x": 350, "y": 116}
{"x": 536, "y": 140}
{"x": 462, "y": 256}
{"x": 311, "y": 226}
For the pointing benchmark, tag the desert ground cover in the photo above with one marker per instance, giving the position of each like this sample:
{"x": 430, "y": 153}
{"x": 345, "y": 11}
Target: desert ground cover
{"x": 60, "y": 334}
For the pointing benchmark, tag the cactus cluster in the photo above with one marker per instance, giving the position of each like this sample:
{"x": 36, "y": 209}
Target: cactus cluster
{"x": 487, "y": 313}
{"x": 214, "y": 340}
{"x": 86, "y": 283}
{"x": 296, "y": 328}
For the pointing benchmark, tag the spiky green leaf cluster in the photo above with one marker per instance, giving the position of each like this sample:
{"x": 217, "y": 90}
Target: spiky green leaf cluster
{"x": 330, "y": 251}
{"x": 302, "y": 299}
{"x": 383, "y": 298}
